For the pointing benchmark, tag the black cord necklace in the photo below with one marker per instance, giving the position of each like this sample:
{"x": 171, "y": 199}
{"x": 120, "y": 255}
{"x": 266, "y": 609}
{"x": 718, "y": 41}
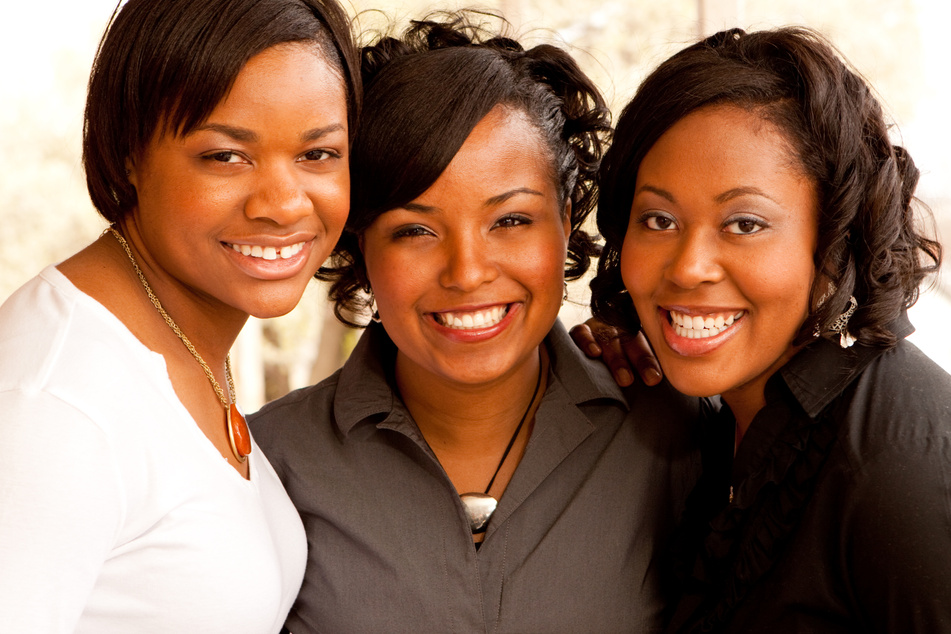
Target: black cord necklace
{"x": 479, "y": 507}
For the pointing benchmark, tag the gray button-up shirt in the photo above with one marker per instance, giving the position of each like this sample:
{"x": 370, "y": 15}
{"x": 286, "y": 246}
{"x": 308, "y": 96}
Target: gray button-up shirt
{"x": 575, "y": 544}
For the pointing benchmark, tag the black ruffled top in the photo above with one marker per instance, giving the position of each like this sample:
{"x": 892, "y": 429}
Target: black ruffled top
{"x": 788, "y": 536}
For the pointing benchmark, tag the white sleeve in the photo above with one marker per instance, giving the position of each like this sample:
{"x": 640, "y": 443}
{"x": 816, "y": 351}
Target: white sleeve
{"x": 60, "y": 509}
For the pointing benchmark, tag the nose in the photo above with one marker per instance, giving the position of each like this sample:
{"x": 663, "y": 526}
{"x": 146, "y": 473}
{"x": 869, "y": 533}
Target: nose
{"x": 468, "y": 263}
{"x": 278, "y": 196}
{"x": 695, "y": 261}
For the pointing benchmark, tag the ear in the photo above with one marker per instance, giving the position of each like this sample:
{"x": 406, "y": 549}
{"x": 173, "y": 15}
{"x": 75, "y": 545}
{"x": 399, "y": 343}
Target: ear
{"x": 566, "y": 215}
{"x": 130, "y": 172}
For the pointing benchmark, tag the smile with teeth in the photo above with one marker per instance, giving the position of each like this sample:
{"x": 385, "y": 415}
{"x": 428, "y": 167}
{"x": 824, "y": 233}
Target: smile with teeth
{"x": 701, "y": 327}
{"x": 472, "y": 319}
{"x": 268, "y": 253}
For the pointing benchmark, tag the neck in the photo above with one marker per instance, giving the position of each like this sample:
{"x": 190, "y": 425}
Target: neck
{"x": 744, "y": 408}
{"x": 467, "y": 419}
{"x": 210, "y": 326}
{"x": 748, "y": 399}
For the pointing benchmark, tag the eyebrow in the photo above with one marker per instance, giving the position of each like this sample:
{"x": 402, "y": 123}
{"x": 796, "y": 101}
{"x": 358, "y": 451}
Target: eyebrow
{"x": 741, "y": 191}
{"x": 490, "y": 202}
{"x": 663, "y": 193}
{"x": 249, "y": 136}
{"x": 728, "y": 195}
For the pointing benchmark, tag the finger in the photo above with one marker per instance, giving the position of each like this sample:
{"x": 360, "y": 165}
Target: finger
{"x": 615, "y": 358}
{"x": 585, "y": 340}
{"x": 638, "y": 351}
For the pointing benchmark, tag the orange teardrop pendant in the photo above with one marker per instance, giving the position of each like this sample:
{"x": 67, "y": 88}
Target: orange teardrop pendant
{"x": 238, "y": 434}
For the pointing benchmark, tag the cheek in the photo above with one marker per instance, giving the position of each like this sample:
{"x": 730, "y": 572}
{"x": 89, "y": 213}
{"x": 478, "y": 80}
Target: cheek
{"x": 332, "y": 202}
{"x": 394, "y": 277}
{"x": 542, "y": 267}
{"x": 637, "y": 269}
{"x": 782, "y": 285}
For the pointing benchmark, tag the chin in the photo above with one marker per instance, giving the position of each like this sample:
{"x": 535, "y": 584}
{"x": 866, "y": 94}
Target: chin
{"x": 270, "y": 305}
{"x": 696, "y": 382}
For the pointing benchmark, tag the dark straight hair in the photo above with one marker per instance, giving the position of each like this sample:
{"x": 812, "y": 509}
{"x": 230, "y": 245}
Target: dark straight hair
{"x": 164, "y": 65}
{"x": 869, "y": 246}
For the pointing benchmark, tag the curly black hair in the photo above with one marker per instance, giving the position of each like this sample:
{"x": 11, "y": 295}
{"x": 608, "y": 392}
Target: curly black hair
{"x": 424, "y": 92}
{"x": 868, "y": 246}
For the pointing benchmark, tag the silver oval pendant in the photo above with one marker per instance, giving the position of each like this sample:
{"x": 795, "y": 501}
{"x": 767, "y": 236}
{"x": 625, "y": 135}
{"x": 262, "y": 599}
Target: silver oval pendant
{"x": 479, "y": 508}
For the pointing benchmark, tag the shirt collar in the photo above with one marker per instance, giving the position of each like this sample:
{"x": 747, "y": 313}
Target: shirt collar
{"x": 821, "y": 370}
{"x": 365, "y": 387}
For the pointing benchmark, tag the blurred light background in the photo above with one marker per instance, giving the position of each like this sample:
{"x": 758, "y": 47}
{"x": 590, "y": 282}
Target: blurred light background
{"x": 46, "y": 50}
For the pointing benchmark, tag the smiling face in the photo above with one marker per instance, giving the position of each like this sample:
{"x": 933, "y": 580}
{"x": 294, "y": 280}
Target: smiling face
{"x": 718, "y": 255}
{"x": 241, "y": 212}
{"x": 468, "y": 278}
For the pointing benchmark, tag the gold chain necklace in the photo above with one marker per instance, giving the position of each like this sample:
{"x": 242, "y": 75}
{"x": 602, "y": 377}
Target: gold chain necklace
{"x": 238, "y": 435}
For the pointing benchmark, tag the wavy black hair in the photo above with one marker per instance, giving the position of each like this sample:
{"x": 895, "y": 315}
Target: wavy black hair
{"x": 424, "y": 93}
{"x": 166, "y": 64}
{"x": 868, "y": 244}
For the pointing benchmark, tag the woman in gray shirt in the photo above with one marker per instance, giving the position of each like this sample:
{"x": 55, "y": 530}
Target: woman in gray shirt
{"x": 468, "y": 469}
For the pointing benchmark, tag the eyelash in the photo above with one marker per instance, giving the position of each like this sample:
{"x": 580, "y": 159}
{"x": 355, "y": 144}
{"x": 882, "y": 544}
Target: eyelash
{"x": 649, "y": 216}
{"x": 228, "y": 154}
{"x": 328, "y": 154}
{"x": 513, "y": 220}
{"x": 756, "y": 222}
{"x": 411, "y": 231}
{"x": 216, "y": 156}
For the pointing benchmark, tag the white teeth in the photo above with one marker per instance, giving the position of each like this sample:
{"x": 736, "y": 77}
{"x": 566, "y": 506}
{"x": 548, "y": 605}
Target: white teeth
{"x": 697, "y": 327}
{"x": 471, "y": 320}
{"x": 269, "y": 253}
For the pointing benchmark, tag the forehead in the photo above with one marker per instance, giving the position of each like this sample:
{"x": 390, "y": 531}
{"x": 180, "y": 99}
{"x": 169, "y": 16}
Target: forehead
{"x": 288, "y": 74}
{"x": 504, "y": 152}
{"x": 505, "y": 147}
{"x": 725, "y": 141}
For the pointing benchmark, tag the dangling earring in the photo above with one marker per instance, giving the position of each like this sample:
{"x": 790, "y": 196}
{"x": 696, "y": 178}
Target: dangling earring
{"x": 564, "y": 298}
{"x": 841, "y": 324}
{"x": 374, "y": 313}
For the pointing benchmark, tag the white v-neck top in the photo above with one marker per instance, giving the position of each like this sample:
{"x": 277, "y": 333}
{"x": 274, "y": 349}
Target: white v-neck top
{"x": 117, "y": 514}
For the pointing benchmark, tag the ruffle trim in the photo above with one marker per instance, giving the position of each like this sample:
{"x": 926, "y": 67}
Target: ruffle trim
{"x": 720, "y": 559}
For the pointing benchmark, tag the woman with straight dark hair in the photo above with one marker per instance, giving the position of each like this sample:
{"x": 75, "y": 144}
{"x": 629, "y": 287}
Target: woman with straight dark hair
{"x": 468, "y": 469}
{"x": 760, "y": 228}
{"x": 132, "y": 496}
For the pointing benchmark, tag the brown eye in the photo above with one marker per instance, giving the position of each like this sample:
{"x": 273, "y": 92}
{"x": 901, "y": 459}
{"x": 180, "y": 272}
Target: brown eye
{"x": 745, "y": 226}
{"x": 656, "y": 221}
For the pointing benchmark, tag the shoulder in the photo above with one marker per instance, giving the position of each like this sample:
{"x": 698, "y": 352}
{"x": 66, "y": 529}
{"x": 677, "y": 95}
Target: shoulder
{"x": 34, "y": 322}
{"x": 900, "y": 403}
{"x": 54, "y": 339}
{"x": 294, "y": 416}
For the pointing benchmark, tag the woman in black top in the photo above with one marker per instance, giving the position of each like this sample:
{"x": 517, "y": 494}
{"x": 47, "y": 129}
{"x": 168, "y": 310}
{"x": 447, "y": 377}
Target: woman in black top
{"x": 760, "y": 229}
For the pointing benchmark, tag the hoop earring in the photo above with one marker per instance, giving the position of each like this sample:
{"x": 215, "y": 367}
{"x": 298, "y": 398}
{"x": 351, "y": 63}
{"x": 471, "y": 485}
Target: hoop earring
{"x": 564, "y": 298}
